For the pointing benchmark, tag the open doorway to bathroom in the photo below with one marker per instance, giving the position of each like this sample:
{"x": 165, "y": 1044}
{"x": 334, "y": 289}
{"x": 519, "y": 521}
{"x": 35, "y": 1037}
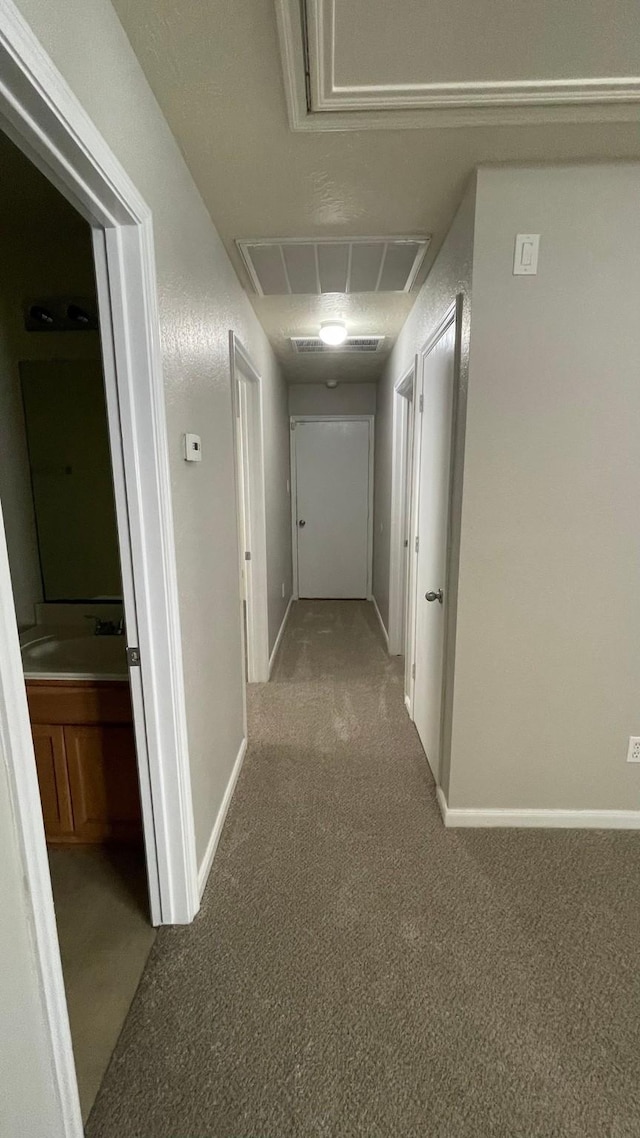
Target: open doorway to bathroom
{"x": 57, "y": 495}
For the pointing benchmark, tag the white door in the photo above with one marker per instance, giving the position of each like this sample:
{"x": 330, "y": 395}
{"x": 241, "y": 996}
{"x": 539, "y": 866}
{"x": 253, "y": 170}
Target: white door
{"x": 332, "y": 507}
{"x": 435, "y": 428}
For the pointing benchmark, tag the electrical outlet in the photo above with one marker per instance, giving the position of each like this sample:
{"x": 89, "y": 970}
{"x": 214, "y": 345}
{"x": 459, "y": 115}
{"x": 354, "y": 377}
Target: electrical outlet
{"x": 633, "y": 754}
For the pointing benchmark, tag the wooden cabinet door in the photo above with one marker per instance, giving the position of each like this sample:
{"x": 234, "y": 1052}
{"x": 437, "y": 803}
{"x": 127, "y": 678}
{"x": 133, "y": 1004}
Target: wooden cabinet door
{"x": 103, "y": 777}
{"x": 51, "y": 765}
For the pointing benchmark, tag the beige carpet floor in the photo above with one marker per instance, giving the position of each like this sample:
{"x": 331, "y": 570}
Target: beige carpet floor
{"x": 102, "y": 916}
{"x": 356, "y": 970}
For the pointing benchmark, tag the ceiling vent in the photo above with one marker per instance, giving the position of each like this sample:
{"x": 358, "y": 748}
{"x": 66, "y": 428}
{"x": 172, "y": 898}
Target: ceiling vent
{"x": 305, "y": 344}
{"x": 284, "y": 266}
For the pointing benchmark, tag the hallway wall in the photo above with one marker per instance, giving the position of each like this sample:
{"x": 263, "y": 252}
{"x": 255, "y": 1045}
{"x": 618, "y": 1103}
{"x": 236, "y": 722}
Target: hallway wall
{"x": 200, "y": 299}
{"x": 345, "y": 399}
{"x": 450, "y": 275}
{"x": 543, "y": 672}
{"x": 547, "y": 663}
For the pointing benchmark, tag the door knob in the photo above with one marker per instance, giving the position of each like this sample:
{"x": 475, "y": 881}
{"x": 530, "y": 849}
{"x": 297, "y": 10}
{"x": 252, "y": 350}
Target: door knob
{"x": 302, "y": 523}
{"x": 434, "y": 596}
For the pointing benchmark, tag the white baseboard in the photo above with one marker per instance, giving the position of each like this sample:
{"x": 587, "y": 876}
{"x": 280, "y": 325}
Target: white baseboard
{"x": 407, "y": 704}
{"x": 454, "y": 817}
{"x": 212, "y": 845}
{"x": 285, "y": 618}
{"x": 379, "y": 616}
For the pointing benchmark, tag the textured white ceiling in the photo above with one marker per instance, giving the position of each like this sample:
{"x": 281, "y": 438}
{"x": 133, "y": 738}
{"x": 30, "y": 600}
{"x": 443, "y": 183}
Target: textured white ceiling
{"x": 215, "y": 69}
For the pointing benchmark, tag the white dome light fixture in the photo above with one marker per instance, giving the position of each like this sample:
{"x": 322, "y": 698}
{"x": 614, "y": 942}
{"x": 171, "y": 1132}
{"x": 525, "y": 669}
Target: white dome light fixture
{"x": 333, "y": 332}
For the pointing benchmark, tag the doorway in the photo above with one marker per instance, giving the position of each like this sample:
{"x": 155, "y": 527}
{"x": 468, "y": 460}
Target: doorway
{"x": 61, "y": 530}
{"x": 431, "y": 514}
{"x": 246, "y": 390}
{"x": 332, "y": 507}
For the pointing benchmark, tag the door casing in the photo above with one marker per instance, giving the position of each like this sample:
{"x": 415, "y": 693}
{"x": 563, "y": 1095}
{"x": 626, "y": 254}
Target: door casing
{"x": 452, "y": 314}
{"x": 246, "y": 388}
{"x": 404, "y": 410}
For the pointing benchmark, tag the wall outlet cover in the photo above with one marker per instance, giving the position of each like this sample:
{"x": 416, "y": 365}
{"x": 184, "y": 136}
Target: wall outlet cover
{"x": 633, "y": 754}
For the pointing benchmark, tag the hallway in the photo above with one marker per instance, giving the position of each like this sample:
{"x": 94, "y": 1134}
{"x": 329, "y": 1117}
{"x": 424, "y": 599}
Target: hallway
{"x": 356, "y": 969}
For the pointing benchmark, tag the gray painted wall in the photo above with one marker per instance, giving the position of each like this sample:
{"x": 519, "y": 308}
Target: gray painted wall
{"x": 542, "y": 667}
{"x": 346, "y": 399}
{"x": 547, "y": 667}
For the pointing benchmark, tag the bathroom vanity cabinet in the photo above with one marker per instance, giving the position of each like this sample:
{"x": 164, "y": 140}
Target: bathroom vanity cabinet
{"x": 86, "y": 760}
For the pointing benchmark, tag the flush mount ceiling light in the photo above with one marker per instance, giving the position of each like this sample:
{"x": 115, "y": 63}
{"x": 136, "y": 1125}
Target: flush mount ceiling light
{"x": 333, "y": 332}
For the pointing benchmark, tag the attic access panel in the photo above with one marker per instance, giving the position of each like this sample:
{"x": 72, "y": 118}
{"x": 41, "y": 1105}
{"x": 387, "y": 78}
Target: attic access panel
{"x": 284, "y": 266}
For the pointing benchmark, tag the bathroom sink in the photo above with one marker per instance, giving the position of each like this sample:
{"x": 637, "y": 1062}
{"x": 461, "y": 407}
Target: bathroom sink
{"x": 62, "y": 653}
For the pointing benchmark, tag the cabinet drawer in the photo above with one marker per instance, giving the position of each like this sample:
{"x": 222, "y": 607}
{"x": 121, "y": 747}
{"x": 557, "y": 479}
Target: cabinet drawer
{"x": 64, "y": 702}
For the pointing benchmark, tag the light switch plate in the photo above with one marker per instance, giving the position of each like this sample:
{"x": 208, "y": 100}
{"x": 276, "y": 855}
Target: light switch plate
{"x": 525, "y": 258}
{"x": 192, "y": 448}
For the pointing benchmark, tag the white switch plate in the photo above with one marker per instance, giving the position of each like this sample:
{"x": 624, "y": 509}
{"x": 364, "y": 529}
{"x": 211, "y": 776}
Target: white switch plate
{"x": 633, "y": 754}
{"x": 192, "y": 448}
{"x": 525, "y": 258}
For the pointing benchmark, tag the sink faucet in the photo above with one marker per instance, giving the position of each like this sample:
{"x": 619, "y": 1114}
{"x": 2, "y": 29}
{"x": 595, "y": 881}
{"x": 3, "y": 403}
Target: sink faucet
{"x": 107, "y": 627}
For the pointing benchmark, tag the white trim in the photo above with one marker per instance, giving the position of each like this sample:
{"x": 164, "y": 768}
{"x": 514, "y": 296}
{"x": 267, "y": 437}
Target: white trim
{"x": 461, "y": 817}
{"x": 212, "y": 845}
{"x": 274, "y": 652}
{"x": 293, "y": 421}
{"x": 251, "y": 503}
{"x": 16, "y": 754}
{"x": 381, "y": 622}
{"x": 401, "y": 480}
{"x": 407, "y": 704}
{"x": 410, "y": 645}
{"x": 605, "y": 99}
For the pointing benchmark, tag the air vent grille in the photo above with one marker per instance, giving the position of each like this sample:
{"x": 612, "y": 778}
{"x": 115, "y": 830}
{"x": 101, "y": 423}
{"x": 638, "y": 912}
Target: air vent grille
{"x": 283, "y": 266}
{"x": 305, "y": 344}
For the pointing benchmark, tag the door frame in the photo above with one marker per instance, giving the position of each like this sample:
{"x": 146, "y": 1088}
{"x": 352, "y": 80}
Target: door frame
{"x": 293, "y": 421}
{"x": 450, "y": 317}
{"x": 404, "y": 399}
{"x": 42, "y": 116}
{"x": 246, "y": 395}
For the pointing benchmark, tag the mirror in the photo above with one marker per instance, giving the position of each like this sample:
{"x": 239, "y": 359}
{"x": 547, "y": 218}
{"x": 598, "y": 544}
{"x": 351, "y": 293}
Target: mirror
{"x": 71, "y": 479}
